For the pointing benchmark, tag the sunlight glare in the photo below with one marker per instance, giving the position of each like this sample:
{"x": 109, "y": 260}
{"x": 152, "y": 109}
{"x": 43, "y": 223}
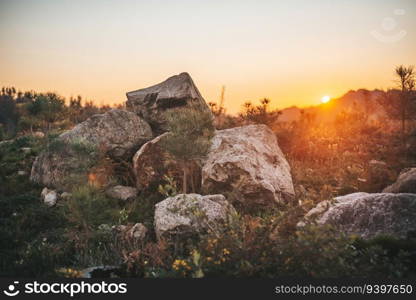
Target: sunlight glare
{"x": 325, "y": 99}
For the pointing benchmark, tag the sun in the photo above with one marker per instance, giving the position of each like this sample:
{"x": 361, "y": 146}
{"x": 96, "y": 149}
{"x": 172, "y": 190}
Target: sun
{"x": 325, "y": 99}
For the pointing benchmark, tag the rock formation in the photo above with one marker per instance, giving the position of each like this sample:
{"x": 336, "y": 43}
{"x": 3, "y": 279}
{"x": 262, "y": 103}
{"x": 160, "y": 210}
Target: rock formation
{"x": 248, "y": 160}
{"x": 188, "y": 214}
{"x": 151, "y": 103}
{"x": 368, "y": 215}
{"x": 116, "y": 133}
{"x": 406, "y": 183}
{"x": 121, "y": 192}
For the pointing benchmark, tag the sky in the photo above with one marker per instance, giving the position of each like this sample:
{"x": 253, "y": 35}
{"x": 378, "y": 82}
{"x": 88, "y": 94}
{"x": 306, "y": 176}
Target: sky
{"x": 292, "y": 52}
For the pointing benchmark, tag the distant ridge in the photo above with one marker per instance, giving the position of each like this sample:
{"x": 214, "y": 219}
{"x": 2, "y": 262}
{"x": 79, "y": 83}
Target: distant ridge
{"x": 361, "y": 100}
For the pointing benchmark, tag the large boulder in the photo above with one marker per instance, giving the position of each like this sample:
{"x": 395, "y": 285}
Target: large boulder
{"x": 406, "y": 183}
{"x": 176, "y": 91}
{"x": 187, "y": 215}
{"x": 152, "y": 162}
{"x": 248, "y": 161}
{"x": 368, "y": 215}
{"x": 116, "y": 133}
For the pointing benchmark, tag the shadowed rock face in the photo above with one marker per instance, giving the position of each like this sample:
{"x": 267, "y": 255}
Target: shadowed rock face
{"x": 175, "y": 92}
{"x": 248, "y": 159}
{"x": 116, "y": 133}
{"x": 151, "y": 163}
{"x": 368, "y": 215}
{"x": 406, "y": 183}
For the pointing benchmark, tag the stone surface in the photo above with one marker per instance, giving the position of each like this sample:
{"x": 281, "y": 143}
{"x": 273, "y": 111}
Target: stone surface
{"x": 368, "y": 215}
{"x": 188, "y": 214}
{"x": 49, "y": 197}
{"x": 248, "y": 160}
{"x": 175, "y": 92}
{"x": 66, "y": 196}
{"x": 137, "y": 232}
{"x": 151, "y": 163}
{"x": 116, "y": 133}
{"x": 121, "y": 192}
{"x": 406, "y": 183}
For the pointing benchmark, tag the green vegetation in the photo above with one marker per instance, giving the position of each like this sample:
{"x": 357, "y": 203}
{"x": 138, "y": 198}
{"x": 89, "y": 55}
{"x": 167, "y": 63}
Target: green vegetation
{"x": 327, "y": 159}
{"x": 190, "y": 133}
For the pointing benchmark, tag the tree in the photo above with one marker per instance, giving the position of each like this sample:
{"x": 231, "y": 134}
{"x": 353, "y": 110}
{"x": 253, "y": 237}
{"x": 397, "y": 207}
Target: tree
{"x": 9, "y": 115}
{"x": 48, "y": 108}
{"x": 189, "y": 139}
{"x": 401, "y": 105}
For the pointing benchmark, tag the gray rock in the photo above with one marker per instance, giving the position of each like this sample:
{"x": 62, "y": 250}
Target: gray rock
{"x": 49, "y": 197}
{"x": 248, "y": 160}
{"x": 406, "y": 183}
{"x": 137, "y": 232}
{"x": 368, "y": 215}
{"x": 121, "y": 192}
{"x": 21, "y": 173}
{"x": 189, "y": 214}
{"x": 175, "y": 92}
{"x": 116, "y": 133}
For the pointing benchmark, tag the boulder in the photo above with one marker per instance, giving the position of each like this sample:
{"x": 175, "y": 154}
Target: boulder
{"x": 137, "y": 232}
{"x": 116, "y": 133}
{"x": 49, "y": 197}
{"x": 120, "y": 192}
{"x": 406, "y": 183}
{"x": 151, "y": 103}
{"x": 247, "y": 160}
{"x": 151, "y": 163}
{"x": 188, "y": 215}
{"x": 368, "y": 215}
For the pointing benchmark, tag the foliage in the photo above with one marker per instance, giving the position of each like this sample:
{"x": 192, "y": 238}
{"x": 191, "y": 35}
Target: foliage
{"x": 259, "y": 114}
{"x": 29, "y": 111}
{"x": 189, "y": 138}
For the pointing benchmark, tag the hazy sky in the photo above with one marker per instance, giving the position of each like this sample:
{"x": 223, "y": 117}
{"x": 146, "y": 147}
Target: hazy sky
{"x": 293, "y": 52}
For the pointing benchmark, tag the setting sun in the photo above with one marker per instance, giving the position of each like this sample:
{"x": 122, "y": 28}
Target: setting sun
{"x": 325, "y": 99}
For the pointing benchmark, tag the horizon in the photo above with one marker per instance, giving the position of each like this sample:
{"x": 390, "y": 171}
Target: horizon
{"x": 292, "y": 53}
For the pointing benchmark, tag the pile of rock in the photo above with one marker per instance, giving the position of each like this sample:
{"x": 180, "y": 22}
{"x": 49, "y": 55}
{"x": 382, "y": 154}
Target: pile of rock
{"x": 245, "y": 160}
{"x": 244, "y": 163}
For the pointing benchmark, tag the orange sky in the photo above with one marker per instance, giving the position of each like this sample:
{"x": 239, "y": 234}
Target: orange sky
{"x": 293, "y": 52}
